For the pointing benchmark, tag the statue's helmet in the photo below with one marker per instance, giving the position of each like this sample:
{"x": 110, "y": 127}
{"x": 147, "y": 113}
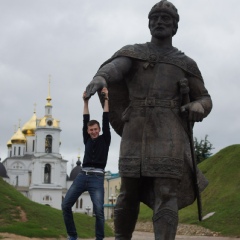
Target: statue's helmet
{"x": 168, "y": 7}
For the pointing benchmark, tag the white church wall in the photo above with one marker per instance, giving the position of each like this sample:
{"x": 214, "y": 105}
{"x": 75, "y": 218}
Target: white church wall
{"x": 41, "y": 136}
{"x": 18, "y": 149}
{"x": 18, "y": 172}
{"x": 37, "y": 172}
{"x": 63, "y": 174}
{"x": 56, "y": 172}
{"x": 30, "y": 144}
{"x": 48, "y": 197}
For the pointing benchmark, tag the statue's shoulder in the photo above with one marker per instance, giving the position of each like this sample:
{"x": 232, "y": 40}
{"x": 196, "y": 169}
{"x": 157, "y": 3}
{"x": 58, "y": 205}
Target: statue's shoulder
{"x": 118, "y": 91}
{"x": 138, "y": 51}
{"x": 136, "y": 47}
{"x": 189, "y": 60}
{"x": 191, "y": 65}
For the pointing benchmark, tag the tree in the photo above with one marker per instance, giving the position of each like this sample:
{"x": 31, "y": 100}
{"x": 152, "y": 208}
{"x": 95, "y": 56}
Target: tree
{"x": 202, "y": 149}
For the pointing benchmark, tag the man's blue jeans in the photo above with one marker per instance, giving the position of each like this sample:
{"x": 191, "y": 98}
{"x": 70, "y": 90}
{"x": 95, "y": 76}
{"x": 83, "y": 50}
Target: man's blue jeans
{"x": 94, "y": 185}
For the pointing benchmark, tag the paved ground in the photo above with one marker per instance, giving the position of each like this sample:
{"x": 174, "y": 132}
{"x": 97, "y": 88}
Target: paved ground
{"x": 150, "y": 236}
{"x": 136, "y": 236}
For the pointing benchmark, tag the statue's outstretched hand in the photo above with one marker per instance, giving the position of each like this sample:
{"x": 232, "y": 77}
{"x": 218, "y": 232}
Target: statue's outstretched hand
{"x": 96, "y": 84}
{"x": 195, "y": 111}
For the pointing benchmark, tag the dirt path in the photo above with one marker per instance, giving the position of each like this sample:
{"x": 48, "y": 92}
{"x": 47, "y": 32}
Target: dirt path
{"x": 136, "y": 236}
{"x": 9, "y": 236}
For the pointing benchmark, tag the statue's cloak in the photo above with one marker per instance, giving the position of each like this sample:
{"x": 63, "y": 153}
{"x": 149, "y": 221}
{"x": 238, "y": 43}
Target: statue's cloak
{"x": 118, "y": 92}
{"x": 155, "y": 162}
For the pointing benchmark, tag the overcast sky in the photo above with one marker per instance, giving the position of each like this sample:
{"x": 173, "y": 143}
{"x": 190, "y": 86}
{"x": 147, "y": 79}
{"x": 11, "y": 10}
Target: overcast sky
{"x": 70, "y": 39}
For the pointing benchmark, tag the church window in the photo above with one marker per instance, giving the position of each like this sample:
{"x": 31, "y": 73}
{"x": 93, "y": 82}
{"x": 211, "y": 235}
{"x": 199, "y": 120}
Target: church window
{"x": 77, "y": 203}
{"x": 47, "y": 173}
{"x": 16, "y": 180}
{"x": 81, "y": 203}
{"x": 48, "y": 144}
{"x": 33, "y": 145}
{"x": 29, "y": 178}
{"x": 14, "y": 151}
{"x": 47, "y": 198}
{"x": 19, "y": 151}
{"x": 26, "y": 146}
{"x": 10, "y": 153}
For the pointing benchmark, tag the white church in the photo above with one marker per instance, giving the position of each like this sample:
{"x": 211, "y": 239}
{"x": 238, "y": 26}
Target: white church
{"x": 35, "y": 167}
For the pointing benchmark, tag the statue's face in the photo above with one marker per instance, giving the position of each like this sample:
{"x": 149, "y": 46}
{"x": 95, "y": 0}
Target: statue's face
{"x": 161, "y": 25}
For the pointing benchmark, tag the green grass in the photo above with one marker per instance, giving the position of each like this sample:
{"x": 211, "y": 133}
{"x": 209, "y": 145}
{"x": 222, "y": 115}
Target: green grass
{"x": 222, "y": 195}
{"x": 42, "y": 221}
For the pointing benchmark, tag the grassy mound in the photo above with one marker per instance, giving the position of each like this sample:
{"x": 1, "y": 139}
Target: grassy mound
{"x": 21, "y": 216}
{"x": 222, "y": 196}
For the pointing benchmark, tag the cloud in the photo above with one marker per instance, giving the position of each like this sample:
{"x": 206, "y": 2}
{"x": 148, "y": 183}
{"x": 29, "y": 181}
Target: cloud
{"x": 71, "y": 39}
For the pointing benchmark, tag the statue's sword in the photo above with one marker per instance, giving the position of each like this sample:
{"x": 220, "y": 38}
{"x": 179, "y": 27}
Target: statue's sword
{"x": 184, "y": 89}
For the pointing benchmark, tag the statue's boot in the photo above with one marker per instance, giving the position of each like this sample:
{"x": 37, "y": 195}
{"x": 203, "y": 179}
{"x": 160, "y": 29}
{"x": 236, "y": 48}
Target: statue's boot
{"x": 124, "y": 222}
{"x": 165, "y": 224}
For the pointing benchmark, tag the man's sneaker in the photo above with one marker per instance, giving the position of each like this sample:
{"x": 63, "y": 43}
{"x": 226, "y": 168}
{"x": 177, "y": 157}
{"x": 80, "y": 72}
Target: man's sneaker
{"x": 72, "y": 238}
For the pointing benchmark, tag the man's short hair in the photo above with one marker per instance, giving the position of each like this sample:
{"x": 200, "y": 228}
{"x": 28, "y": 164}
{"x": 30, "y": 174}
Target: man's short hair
{"x": 93, "y": 122}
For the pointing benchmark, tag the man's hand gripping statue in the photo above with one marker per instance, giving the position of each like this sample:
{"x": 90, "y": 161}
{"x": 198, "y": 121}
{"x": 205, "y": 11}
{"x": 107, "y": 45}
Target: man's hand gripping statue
{"x": 96, "y": 84}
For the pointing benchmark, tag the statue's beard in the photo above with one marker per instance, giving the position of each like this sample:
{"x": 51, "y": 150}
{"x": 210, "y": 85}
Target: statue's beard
{"x": 161, "y": 33}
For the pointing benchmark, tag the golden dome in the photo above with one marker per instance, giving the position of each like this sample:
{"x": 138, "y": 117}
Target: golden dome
{"x": 9, "y": 143}
{"x": 44, "y": 122}
{"x": 30, "y": 126}
{"x": 18, "y": 137}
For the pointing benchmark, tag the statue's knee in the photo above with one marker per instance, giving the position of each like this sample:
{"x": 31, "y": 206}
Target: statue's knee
{"x": 166, "y": 215}
{"x": 166, "y": 194}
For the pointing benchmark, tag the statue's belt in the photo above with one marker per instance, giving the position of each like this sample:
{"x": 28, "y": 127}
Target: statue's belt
{"x": 154, "y": 102}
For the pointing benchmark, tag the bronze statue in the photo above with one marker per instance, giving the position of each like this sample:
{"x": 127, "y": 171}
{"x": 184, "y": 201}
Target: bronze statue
{"x": 146, "y": 105}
